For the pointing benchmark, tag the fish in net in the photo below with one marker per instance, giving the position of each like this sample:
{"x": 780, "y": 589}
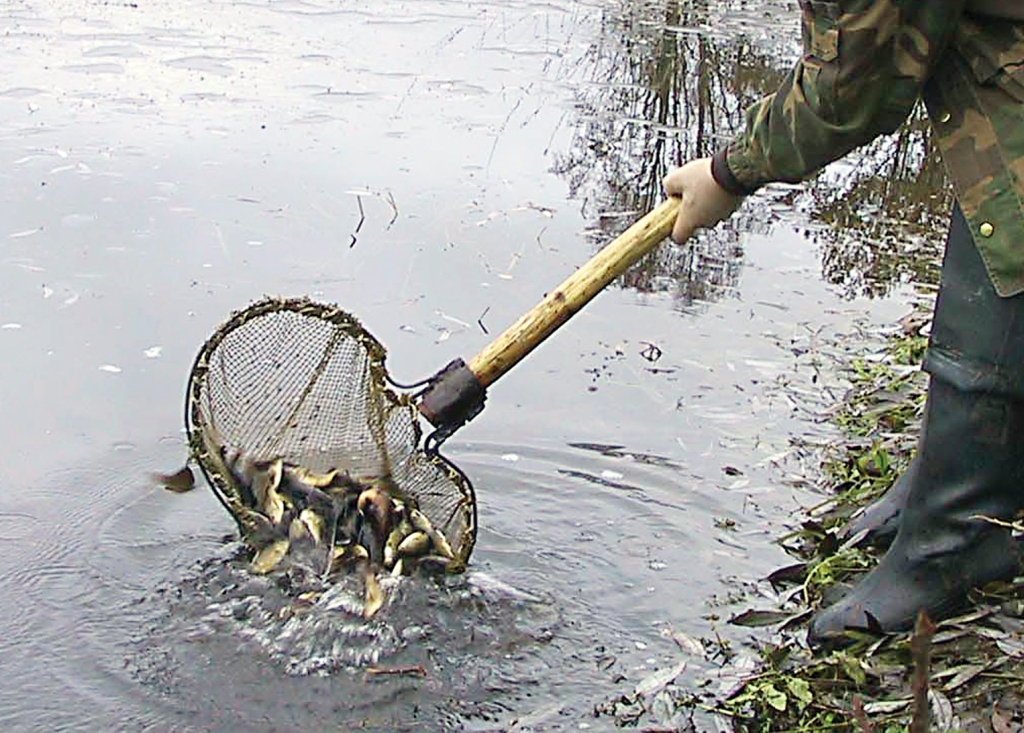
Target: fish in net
{"x": 293, "y": 421}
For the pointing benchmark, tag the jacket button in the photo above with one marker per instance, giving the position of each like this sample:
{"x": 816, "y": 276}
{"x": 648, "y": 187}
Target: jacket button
{"x": 945, "y": 117}
{"x": 986, "y": 229}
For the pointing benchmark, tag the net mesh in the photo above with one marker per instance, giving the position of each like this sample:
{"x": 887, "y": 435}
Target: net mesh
{"x": 304, "y": 382}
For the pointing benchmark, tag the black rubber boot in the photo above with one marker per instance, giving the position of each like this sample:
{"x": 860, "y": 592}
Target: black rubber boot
{"x": 876, "y": 525}
{"x": 970, "y": 465}
{"x": 970, "y": 460}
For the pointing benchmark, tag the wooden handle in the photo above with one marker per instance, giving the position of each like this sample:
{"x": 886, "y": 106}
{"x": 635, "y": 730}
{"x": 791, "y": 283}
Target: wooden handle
{"x": 576, "y": 291}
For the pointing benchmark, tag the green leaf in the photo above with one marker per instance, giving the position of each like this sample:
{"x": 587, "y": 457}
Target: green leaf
{"x": 775, "y": 698}
{"x": 800, "y": 689}
{"x": 754, "y": 617}
{"x": 882, "y": 460}
{"x": 852, "y": 667}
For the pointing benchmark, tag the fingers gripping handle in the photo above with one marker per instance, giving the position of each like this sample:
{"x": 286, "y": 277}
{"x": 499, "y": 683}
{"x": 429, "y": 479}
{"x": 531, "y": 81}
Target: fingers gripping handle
{"x": 456, "y": 394}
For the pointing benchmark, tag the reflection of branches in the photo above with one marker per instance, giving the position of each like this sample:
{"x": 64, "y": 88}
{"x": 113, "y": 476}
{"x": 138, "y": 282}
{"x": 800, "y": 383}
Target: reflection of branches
{"x": 662, "y": 87}
{"x": 658, "y": 94}
{"x": 886, "y": 213}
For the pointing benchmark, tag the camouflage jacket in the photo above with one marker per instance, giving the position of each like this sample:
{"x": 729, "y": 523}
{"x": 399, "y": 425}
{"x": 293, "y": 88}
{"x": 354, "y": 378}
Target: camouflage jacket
{"x": 865, "y": 65}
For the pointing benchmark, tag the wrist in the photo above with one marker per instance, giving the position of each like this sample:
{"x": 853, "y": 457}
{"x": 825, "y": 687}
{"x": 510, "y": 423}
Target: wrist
{"x": 724, "y": 176}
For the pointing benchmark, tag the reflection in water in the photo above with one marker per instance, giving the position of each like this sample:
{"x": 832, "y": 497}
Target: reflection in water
{"x": 661, "y": 88}
{"x": 885, "y": 212}
{"x": 660, "y": 93}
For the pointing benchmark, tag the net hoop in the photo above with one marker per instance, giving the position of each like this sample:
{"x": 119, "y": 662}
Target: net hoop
{"x": 427, "y": 473}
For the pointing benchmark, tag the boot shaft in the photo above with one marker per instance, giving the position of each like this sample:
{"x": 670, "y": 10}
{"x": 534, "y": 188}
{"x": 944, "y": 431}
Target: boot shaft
{"x": 977, "y": 337}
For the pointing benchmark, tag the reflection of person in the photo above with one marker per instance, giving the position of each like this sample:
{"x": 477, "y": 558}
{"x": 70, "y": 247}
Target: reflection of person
{"x": 865, "y": 64}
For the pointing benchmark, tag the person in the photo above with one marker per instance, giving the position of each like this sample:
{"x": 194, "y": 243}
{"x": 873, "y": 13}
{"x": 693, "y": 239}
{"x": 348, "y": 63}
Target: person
{"x": 865, "y": 65}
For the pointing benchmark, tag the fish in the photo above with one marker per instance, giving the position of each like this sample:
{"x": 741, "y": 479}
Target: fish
{"x": 314, "y": 524}
{"x": 287, "y": 515}
{"x": 434, "y": 564}
{"x": 373, "y": 595}
{"x": 414, "y": 545}
{"x": 331, "y": 520}
{"x": 265, "y": 485}
{"x": 316, "y": 480}
{"x": 311, "y": 514}
{"x": 179, "y": 482}
{"x": 377, "y": 510}
{"x": 348, "y": 523}
{"x": 269, "y": 557}
{"x": 240, "y": 470}
{"x": 440, "y": 542}
{"x": 298, "y": 531}
{"x": 397, "y": 536}
{"x": 212, "y": 452}
{"x": 306, "y": 497}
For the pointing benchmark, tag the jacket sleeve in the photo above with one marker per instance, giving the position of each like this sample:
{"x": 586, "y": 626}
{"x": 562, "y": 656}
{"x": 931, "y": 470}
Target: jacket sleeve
{"x": 863, "y": 67}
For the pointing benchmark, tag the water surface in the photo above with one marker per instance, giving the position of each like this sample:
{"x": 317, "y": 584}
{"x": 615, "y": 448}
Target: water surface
{"x": 162, "y": 166}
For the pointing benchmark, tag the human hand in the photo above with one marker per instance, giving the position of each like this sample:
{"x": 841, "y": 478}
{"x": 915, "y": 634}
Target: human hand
{"x": 703, "y": 203}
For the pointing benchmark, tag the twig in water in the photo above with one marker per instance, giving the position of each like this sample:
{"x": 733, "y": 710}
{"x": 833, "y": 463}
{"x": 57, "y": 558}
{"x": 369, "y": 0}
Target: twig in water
{"x": 480, "y": 320}
{"x": 362, "y": 218}
{"x": 394, "y": 209}
{"x": 650, "y": 352}
{"x": 920, "y": 652}
{"x": 389, "y": 200}
{"x": 501, "y": 130}
{"x": 416, "y": 670}
{"x": 223, "y": 244}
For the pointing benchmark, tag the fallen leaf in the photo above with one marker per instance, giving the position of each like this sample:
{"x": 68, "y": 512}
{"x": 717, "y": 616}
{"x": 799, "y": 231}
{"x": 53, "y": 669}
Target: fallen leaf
{"x": 687, "y": 643}
{"x": 962, "y": 675}
{"x": 800, "y": 689}
{"x": 967, "y": 618}
{"x": 657, "y": 681}
{"x": 1002, "y": 720}
{"x": 994, "y": 634}
{"x": 756, "y": 618}
{"x": 941, "y": 712}
{"x": 949, "y": 635}
{"x": 886, "y": 707}
{"x": 1011, "y": 647}
{"x": 775, "y": 698}
{"x": 789, "y": 574}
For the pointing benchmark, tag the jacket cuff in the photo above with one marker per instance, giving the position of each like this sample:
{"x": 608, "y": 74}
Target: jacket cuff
{"x": 724, "y": 176}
